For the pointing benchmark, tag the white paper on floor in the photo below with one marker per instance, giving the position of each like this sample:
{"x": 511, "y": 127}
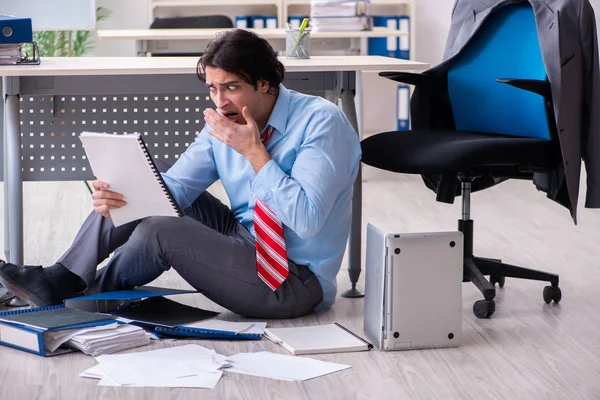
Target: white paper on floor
{"x": 280, "y": 366}
{"x": 198, "y": 367}
{"x": 181, "y": 366}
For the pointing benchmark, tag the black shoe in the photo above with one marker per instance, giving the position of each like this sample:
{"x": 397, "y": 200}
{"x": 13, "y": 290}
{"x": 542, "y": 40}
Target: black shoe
{"x": 30, "y": 284}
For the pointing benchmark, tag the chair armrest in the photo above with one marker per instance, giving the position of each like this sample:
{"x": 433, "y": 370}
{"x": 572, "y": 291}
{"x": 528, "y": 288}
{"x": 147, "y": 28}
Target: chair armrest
{"x": 434, "y": 85}
{"x": 531, "y": 85}
{"x": 430, "y": 82}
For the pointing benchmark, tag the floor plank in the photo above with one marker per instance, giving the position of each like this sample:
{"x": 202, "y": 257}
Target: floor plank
{"x": 527, "y": 350}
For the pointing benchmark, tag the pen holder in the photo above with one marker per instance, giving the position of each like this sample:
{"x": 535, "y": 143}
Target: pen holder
{"x": 297, "y": 43}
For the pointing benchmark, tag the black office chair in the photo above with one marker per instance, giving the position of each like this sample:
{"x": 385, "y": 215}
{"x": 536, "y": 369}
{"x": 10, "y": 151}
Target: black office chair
{"x": 496, "y": 92}
{"x": 193, "y": 22}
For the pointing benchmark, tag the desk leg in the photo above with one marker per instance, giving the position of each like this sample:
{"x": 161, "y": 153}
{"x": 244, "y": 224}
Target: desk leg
{"x": 13, "y": 178}
{"x": 354, "y": 256}
{"x": 4, "y": 169}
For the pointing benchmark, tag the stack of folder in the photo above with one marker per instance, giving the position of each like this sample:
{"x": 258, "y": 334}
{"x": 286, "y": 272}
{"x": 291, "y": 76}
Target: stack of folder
{"x": 340, "y": 15}
{"x": 14, "y": 32}
{"x": 54, "y": 330}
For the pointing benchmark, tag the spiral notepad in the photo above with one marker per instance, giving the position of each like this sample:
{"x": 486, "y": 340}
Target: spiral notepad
{"x": 329, "y": 338}
{"x": 123, "y": 161}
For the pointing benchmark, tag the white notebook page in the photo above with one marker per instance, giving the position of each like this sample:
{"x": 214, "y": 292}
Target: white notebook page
{"x": 120, "y": 161}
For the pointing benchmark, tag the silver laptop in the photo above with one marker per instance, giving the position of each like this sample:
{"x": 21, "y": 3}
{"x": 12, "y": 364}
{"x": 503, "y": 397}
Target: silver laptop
{"x": 413, "y": 293}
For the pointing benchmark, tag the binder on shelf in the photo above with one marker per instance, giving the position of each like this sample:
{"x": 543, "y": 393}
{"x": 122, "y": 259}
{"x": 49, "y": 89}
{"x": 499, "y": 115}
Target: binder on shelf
{"x": 403, "y": 51}
{"x": 295, "y": 22}
{"x": 271, "y": 22}
{"x": 384, "y": 46}
{"x": 241, "y": 22}
{"x": 257, "y": 22}
{"x": 27, "y": 329}
{"x": 135, "y": 176}
{"x": 403, "y": 114}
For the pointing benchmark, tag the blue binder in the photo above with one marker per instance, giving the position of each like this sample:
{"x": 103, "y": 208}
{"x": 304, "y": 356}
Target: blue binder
{"x": 384, "y": 46}
{"x": 241, "y": 22}
{"x": 204, "y": 333}
{"x": 403, "y": 51}
{"x": 295, "y": 22}
{"x": 46, "y": 319}
{"x": 15, "y": 30}
{"x": 257, "y": 21}
{"x": 403, "y": 103}
{"x": 271, "y": 22}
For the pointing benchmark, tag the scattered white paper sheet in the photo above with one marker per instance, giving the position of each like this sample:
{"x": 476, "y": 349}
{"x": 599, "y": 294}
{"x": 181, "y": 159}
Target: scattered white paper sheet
{"x": 197, "y": 366}
{"x": 204, "y": 380}
{"x": 182, "y": 366}
{"x": 280, "y": 366}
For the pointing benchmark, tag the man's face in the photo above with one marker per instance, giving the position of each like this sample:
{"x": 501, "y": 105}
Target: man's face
{"x": 230, "y": 93}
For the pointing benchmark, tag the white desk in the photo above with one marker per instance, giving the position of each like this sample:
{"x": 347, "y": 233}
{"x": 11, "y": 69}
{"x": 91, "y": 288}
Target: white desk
{"x": 57, "y": 80}
{"x": 191, "y": 40}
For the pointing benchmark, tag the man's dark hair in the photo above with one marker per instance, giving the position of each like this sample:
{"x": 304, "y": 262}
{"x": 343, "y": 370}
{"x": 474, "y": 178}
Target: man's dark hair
{"x": 244, "y": 54}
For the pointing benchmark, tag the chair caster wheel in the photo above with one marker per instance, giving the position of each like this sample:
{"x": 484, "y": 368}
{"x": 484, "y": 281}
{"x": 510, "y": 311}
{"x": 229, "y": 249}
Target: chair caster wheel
{"x": 497, "y": 279}
{"x": 484, "y": 308}
{"x": 552, "y": 293}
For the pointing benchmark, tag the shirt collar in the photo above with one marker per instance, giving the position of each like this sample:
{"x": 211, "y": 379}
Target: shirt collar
{"x": 279, "y": 115}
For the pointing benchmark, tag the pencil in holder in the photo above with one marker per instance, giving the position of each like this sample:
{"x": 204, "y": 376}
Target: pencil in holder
{"x": 297, "y": 43}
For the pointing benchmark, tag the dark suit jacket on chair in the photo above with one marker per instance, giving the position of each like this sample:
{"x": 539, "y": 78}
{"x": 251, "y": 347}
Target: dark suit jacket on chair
{"x": 568, "y": 41}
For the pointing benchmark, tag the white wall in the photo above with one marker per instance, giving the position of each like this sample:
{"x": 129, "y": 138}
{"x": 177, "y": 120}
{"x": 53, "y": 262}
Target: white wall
{"x": 125, "y": 14}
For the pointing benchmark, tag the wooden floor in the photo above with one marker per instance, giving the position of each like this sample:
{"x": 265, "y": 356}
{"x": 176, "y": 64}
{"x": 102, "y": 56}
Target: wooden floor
{"x": 528, "y": 350}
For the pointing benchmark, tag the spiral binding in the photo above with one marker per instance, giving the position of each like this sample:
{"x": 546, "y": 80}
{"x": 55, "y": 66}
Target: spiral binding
{"x": 159, "y": 177}
{"x": 28, "y": 310}
{"x": 207, "y": 333}
{"x": 369, "y": 345}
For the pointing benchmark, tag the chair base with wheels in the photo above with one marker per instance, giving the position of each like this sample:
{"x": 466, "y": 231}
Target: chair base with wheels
{"x": 475, "y": 268}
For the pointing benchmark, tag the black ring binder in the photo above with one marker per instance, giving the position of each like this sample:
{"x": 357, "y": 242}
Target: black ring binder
{"x": 158, "y": 176}
{"x": 369, "y": 345}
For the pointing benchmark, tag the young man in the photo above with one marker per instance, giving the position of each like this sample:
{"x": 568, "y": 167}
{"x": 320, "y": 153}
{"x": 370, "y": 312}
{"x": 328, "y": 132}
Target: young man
{"x": 287, "y": 162}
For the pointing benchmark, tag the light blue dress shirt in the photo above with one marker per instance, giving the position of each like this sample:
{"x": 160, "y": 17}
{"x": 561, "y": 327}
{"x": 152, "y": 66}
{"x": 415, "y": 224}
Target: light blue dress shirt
{"x": 308, "y": 182}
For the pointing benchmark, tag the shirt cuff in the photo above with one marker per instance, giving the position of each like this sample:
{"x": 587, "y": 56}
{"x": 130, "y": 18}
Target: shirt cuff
{"x": 266, "y": 179}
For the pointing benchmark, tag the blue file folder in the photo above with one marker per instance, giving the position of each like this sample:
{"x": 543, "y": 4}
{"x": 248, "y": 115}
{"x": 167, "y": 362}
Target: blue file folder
{"x": 403, "y": 113}
{"x": 15, "y": 30}
{"x": 271, "y": 22}
{"x": 403, "y": 51}
{"x": 25, "y": 329}
{"x": 295, "y": 21}
{"x": 241, "y": 22}
{"x": 394, "y": 46}
{"x": 257, "y": 22}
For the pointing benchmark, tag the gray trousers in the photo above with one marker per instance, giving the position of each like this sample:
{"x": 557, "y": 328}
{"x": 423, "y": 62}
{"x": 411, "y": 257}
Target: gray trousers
{"x": 208, "y": 247}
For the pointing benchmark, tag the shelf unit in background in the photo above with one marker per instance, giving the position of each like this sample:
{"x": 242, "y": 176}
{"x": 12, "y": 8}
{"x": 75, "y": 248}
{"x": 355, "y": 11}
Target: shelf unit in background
{"x": 231, "y": 8}
{"x": 377, "y": 115}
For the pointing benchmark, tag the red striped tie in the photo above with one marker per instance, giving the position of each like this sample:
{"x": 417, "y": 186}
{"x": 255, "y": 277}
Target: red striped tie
{"x": 271, "y": 255}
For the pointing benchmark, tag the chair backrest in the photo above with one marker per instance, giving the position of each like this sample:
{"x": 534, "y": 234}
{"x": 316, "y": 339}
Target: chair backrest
{"x": 506, "y": 46}
{"x": 200, "y": 21}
